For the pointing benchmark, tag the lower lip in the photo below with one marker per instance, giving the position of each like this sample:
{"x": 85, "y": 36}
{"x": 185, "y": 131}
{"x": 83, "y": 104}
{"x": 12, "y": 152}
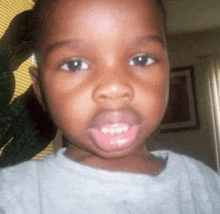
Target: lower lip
{"x": 110, "y": 142}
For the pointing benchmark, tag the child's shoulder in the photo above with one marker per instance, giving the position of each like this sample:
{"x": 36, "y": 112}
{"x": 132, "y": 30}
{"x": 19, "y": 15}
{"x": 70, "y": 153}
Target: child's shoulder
{"x": 22, "y": 174}
{"x": 189, "y": 163}
{"x": 21, "y": 183}
{"x": 183, "y": 164}
{"x": 16, "y": 181}
{"x": 13, "y": 173}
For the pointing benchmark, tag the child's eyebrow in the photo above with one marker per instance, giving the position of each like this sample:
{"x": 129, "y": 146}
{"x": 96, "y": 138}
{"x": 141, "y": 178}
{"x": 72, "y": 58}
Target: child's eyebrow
{"x": 80, "y": 42}
{"x": 66, "y": 43}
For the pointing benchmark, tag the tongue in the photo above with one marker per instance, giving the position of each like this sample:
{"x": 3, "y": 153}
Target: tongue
{"x": 116, "y": 141}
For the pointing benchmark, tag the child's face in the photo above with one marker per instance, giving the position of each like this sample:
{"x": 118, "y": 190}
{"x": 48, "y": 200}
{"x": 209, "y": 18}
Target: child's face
{"x": 104, "y": 74}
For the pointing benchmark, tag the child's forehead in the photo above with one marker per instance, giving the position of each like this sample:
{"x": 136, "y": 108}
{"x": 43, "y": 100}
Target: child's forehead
{"x": 102, "y": 10}
{"x": 107, "y": 18}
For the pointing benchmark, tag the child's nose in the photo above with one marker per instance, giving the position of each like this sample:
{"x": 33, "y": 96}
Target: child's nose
{"x": 113, "y": 90}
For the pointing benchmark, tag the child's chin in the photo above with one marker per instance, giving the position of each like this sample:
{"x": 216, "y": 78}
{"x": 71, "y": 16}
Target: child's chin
{"x": 116, "y": 153}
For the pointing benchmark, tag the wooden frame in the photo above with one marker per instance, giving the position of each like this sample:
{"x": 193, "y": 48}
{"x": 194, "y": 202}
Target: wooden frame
{"x": 182, "y": 112}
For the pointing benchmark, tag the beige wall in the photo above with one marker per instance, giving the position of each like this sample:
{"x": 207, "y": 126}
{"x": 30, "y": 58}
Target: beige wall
{"x": 185, "y": 50}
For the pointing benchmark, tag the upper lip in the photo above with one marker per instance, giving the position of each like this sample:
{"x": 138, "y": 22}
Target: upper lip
{"x": 125, "y": 116}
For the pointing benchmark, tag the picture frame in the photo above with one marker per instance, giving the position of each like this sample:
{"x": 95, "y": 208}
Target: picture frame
{"x": 182, "y": 111}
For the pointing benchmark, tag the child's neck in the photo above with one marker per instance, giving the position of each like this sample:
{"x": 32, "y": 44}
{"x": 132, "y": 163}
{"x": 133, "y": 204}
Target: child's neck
{"x": 135, "y": 163}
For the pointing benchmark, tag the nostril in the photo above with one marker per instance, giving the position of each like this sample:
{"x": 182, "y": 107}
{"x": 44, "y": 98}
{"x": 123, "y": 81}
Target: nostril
{"x": 102, "y": 97}
{"x": 118, "y": 96}
{"x": 112, "y": 92}
{"x": 126, "y": 96}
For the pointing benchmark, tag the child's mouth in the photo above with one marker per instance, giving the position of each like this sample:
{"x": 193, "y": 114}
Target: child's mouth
{"x": 114, "y": 130}
{"x": 113, "y": 136}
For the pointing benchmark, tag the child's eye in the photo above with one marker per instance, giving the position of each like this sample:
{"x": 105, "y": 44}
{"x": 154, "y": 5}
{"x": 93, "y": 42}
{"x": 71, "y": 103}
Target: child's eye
{"x": 141, "y": 60}
{"x": 75, "y": 65}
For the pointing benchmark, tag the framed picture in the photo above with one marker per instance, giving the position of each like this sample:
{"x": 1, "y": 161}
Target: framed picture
{"x": 182, "y": 112}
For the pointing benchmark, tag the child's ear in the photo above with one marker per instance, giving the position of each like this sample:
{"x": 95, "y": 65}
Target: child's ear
{"x": 35, "y": 76}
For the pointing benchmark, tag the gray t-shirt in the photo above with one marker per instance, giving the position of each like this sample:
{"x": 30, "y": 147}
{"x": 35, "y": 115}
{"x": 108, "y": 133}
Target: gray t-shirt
{"x": 58, "y": 185}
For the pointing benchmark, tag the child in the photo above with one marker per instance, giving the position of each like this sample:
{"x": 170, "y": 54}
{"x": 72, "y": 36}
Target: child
{"x": 103, "y": 77}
